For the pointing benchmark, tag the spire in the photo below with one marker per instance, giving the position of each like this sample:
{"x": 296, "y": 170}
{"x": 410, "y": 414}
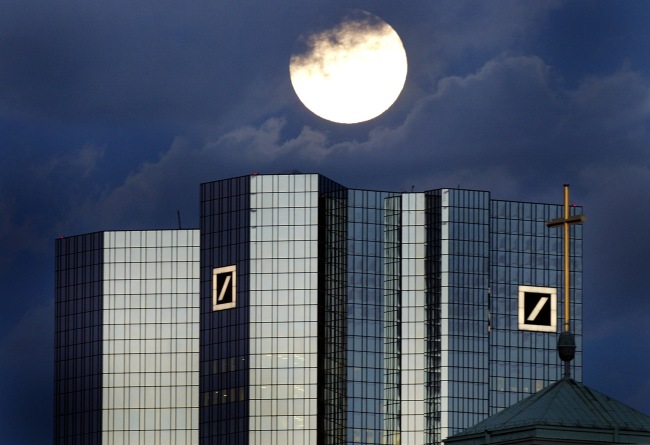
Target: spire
{"x": 566, "y": 343}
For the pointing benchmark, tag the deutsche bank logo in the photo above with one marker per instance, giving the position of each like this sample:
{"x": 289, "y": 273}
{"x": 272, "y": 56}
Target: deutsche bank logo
{"x": 537, "y": 309}
{"x": 224, "y": 288}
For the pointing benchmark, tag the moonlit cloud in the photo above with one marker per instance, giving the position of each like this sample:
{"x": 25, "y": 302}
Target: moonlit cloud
{"x": 474, "y": 131}
{"x": 350, "y": 73}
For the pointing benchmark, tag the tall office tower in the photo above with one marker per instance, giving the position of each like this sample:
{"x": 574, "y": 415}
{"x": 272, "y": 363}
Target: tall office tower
{"x": 339, "y": 316}
{"x": 126, "y": 344}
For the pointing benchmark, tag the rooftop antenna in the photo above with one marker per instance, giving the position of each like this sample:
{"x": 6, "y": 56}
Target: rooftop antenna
{"x": 178, "y": 213}
{"x": 566, "y": 342}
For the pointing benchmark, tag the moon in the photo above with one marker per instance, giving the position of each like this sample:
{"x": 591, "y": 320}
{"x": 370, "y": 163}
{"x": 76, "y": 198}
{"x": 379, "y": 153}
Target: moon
{"x": 352, "y": 72}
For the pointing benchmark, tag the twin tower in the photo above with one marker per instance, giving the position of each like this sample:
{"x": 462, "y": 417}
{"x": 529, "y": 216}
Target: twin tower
{"x": 305, "y": 312}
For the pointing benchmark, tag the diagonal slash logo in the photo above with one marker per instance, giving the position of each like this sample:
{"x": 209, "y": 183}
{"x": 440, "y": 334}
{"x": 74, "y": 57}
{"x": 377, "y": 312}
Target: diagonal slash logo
{"x": 537, "y": 309}
{"x": 224, "y": 288}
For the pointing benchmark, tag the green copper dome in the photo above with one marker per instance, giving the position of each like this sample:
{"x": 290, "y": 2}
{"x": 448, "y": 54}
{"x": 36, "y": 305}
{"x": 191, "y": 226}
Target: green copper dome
{"x": 564, "y": 409}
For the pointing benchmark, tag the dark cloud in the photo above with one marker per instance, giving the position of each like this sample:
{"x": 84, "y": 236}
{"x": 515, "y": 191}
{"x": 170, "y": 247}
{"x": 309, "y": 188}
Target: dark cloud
{"x": 26, "y": 374}
{"x": 177, "y": 63}
{"x": 350, "y": 31}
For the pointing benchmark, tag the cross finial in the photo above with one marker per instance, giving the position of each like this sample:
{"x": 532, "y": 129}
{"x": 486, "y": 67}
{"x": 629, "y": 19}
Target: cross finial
{"x": 566, "y": 343}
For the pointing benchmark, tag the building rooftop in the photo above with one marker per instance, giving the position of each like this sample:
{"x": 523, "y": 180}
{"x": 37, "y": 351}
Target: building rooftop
{"x": 566, "y": 409}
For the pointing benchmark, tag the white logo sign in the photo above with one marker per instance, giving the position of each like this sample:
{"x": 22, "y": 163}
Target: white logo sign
{"x": 224, "y": 288}
{"x": 537, "y": 309}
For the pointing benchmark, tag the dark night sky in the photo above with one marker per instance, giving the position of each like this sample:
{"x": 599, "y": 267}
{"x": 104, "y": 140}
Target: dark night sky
{"x": 112, "y": 113}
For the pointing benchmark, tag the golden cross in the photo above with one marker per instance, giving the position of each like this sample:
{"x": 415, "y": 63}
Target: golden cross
{"x": 566, "y": 222}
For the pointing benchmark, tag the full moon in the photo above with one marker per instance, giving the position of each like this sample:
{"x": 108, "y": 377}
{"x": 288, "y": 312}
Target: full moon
{"x": 352, "y": 72}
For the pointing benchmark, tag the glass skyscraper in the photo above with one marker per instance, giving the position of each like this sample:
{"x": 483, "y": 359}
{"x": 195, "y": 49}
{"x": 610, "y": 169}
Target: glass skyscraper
{"x": 339, "y": 316}
{"x": 126, "y": 345}
{"x": 305, "y": 312}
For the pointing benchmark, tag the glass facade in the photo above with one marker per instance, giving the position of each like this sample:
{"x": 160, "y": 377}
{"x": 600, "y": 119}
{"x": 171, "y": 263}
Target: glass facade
{"x": 392, "y": 316}
{"x": 127, "y": 338}
{"x": 413, "y": 317}
{"x": 224, "y": 338}
{"x": 460, "y": 309}
{"x": 370, "y": 317}
{"x": 327, "y": 316}
{"x": 332, "y": 360}
{"x": 78, "y": 349}
{"x": 523, "y": 251}
{"x": 283, "y": 310}
{"x": 369, "y": 356}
